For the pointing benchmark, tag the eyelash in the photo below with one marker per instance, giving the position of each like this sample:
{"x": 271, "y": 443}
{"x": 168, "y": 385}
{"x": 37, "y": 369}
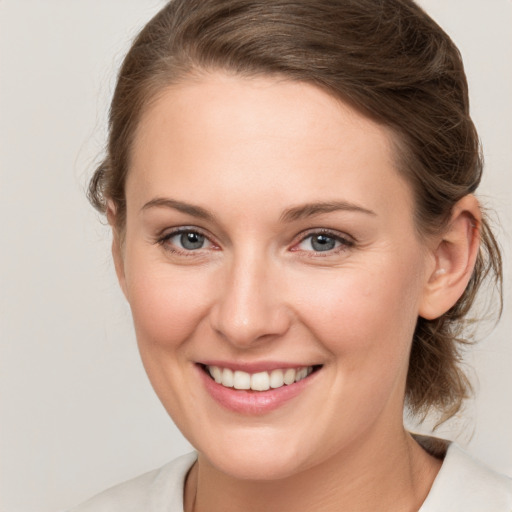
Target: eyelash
{"x": 162, "y": 240}
{"x": 344, "y": 242}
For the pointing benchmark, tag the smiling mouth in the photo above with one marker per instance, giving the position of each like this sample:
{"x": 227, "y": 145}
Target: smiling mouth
{"x": 260, "y": 381}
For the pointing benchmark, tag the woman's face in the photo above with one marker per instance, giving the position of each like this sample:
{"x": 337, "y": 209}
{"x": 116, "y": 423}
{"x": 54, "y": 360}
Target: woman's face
{"x": 269, "y": 231}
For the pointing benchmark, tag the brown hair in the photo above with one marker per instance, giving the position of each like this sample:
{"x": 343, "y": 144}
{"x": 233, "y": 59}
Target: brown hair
{"x": 389, "y": 60}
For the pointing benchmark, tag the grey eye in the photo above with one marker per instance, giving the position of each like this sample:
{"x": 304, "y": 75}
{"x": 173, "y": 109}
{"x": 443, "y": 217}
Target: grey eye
{"x": 191, "y": 240}
{"x": 322, "y": 242}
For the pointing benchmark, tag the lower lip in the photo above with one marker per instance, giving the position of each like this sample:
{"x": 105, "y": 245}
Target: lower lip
{"x": 253, "y": 402}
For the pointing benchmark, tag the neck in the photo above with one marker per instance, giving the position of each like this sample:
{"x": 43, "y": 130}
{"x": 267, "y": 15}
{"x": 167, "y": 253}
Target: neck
{"x": 391, "y": 475}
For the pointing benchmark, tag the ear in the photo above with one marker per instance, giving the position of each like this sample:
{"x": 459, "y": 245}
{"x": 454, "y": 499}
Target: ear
{"x": 117, "y": 246}
{"x": 455, "y": 254}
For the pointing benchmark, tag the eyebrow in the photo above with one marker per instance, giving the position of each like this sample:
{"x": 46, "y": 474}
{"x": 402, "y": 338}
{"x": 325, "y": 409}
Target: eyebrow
{"x": 189, "y": 209}
{"x": 312, "y": 209}
{"x": 290, "y": 215}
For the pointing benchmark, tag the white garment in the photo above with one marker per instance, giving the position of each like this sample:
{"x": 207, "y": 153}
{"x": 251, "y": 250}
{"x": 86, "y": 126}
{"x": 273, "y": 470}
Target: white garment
{"x": 462, "y": 485}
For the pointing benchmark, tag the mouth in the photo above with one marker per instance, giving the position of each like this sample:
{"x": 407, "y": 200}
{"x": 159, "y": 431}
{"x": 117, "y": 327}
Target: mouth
{"x": 256, "y": 388}
{"x": 258, "y": 381}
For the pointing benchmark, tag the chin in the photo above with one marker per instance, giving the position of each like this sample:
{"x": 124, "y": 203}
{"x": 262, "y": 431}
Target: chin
{"x": 259, "y": 458}
{"x": 256, "y": 467}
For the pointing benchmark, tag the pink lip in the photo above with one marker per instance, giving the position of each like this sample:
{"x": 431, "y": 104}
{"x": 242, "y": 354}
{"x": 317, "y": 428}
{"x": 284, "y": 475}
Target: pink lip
{"x": 253, "y": 402}
{"x": 255, "y": 367}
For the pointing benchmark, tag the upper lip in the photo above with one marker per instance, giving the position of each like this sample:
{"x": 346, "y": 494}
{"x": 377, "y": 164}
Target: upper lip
{"x": 255, "y": 366}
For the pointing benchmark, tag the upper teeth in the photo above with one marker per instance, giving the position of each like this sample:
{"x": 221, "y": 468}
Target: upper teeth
{"x": 260, "y": 381}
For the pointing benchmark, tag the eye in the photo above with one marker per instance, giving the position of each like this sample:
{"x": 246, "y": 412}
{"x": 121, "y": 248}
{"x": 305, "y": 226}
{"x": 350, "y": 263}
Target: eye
{"x": 319, "y": 242}
{"x": 190, "y": 240}
{"x": 185, "y": 240}
{"x": 323, "y": 242}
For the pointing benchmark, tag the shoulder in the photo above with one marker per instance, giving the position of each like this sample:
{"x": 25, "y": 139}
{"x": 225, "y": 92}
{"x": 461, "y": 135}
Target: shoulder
{"x": 157, "y": 491}
{"x": 467, "y": 485}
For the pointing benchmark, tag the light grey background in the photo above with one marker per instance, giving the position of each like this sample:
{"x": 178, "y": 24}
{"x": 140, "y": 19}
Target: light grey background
{"x": 77, "y": 412}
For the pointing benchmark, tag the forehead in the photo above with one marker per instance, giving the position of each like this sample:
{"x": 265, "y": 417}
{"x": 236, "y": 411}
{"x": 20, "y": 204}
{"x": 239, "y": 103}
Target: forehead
{"x": 261, "y": 137}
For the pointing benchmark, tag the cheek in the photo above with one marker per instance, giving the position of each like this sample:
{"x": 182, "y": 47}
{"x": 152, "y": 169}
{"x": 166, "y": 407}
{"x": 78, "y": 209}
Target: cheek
{"x": 355, "y": 312}
{"x": 167, "y": 306}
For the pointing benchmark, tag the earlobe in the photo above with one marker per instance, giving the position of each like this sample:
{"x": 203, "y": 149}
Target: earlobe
{"x": 455, "y": 255}
{"x": 117, "y": 250}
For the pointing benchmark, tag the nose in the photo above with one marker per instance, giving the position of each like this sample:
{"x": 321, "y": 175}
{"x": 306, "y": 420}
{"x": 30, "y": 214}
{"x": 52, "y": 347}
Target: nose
{"x": 249, "y": 308}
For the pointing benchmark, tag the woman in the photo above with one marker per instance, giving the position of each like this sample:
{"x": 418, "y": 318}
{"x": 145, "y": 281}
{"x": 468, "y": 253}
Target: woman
{"x": 290, "y": 188}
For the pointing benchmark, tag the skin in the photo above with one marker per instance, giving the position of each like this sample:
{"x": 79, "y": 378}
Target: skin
{"x": 246, "y": 151}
